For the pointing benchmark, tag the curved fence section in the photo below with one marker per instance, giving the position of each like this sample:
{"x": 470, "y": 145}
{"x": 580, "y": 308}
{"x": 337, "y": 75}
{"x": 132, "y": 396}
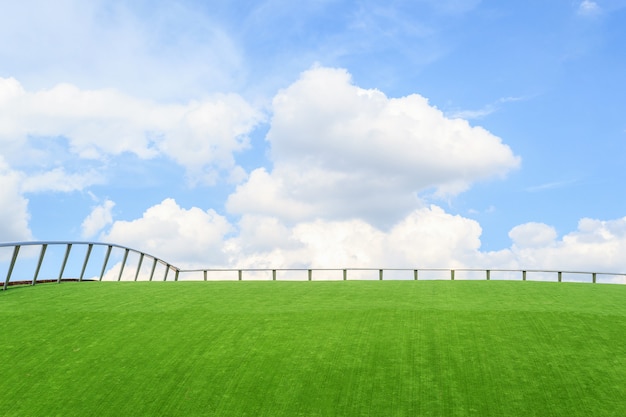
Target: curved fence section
{"x": 32, "y": 262}
{"x": 36, "y": 262}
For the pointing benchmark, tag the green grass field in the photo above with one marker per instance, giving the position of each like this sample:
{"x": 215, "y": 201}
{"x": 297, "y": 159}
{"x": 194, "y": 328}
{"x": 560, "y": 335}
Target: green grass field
{"x": 347, "y": 348}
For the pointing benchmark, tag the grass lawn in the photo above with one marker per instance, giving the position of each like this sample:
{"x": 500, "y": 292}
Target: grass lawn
{"x": 347, "y": 348}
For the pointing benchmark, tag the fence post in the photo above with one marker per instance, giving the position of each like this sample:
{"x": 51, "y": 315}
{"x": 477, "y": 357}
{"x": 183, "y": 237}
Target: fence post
{"x": 345, "y": 274}
{"x": 593, "y": 277}
{"x": 119, "y": 277}
{"x": 523, "y": 275}
{"x": 82, "y": 271}
{"x": 153, "y": 268}
{"x": 167, "y": 270}
{"x": 310, "y": 275}
{"x": 452, "y": 274}
{"x": 139, "y": 266}
{"x": 415, "y": 274}
{"x": 176, "y": 274}
{"x": 273, "y": 275}
{"x": 380, "y": 274}
{"x": 204, "y": 274}
{"x": 41, "y": 256}
{"x": 239, "y": 274}
{"x": 16, "y": 251}
{"x": 488, "y": 275}
{"x": 560, "y": 276}
{"x": 67, "y": 255}
{"x": 106, "y": 260}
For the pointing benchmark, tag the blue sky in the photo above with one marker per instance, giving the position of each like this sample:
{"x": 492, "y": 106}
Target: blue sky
{"x": 325, "y": 133}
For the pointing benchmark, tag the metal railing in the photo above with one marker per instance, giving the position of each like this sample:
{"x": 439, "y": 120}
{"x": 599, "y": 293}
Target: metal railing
{"x": 104, "y": 268}
{"x": 17, "y": 246}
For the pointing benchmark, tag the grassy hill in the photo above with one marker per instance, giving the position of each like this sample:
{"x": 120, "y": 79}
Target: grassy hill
{"x": 347, "y": 348}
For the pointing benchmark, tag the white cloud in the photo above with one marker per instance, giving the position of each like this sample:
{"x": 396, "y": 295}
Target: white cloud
{"x": 588, "y": 8}
{"x": 59, "y": 180}
{"x": 261, "y": 234}
{"x": 473, "y": 114}
{"x": 14, "y": 214}
{"x": 186, "y": 237}
{"x": 98, "y": 219}
{"x": 320, "y": 244}
{"x": 267, "y": 194}
{"x": 431, "y": 237}
{"x": 533, "y": 235}
{"x": 597, "y": 245}
{"x": 486, "y": 110}
{"x": 200, "y": 135}
{"x": 160, "y": 49}
{"x": 425, "y": 238}
{"x": 207, "y": 134}
{"x": 550, "y": 185}
{"x": 340, "y": 151}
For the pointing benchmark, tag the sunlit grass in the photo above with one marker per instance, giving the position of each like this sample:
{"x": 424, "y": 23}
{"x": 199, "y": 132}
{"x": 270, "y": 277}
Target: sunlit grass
{"x": 431, "y": 348}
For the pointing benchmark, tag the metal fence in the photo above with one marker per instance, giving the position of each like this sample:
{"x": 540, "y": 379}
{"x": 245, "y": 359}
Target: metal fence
{"x": 44, "y": 260}
{"x": 33, "y": 262}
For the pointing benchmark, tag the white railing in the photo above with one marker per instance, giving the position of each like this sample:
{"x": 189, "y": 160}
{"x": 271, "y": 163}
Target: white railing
{"x": 42, "y": 266}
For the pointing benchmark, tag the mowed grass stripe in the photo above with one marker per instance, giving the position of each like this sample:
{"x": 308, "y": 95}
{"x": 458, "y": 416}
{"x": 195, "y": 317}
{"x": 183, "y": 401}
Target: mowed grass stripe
{"x": 430, "y": 348}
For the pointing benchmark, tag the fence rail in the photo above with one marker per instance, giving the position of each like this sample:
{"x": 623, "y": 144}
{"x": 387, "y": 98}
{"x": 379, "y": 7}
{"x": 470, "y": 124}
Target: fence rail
{"x": 146, "y": 271}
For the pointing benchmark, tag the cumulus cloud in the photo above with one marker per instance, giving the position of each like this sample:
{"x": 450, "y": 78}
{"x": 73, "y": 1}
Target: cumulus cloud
{"x": 261, "y": 234}
{"x": 597, "y": 245}
{"x": 14, "y": 214}
{"x": 200, "y": 135}
{"x": 427, "y": 237}
{"x": 98, "y": 219}
{"x": 206, "y": 134}
{"x": 533, "y": 235}
{"x": 186, "y": 236}
{"x": 340, "y": 151}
